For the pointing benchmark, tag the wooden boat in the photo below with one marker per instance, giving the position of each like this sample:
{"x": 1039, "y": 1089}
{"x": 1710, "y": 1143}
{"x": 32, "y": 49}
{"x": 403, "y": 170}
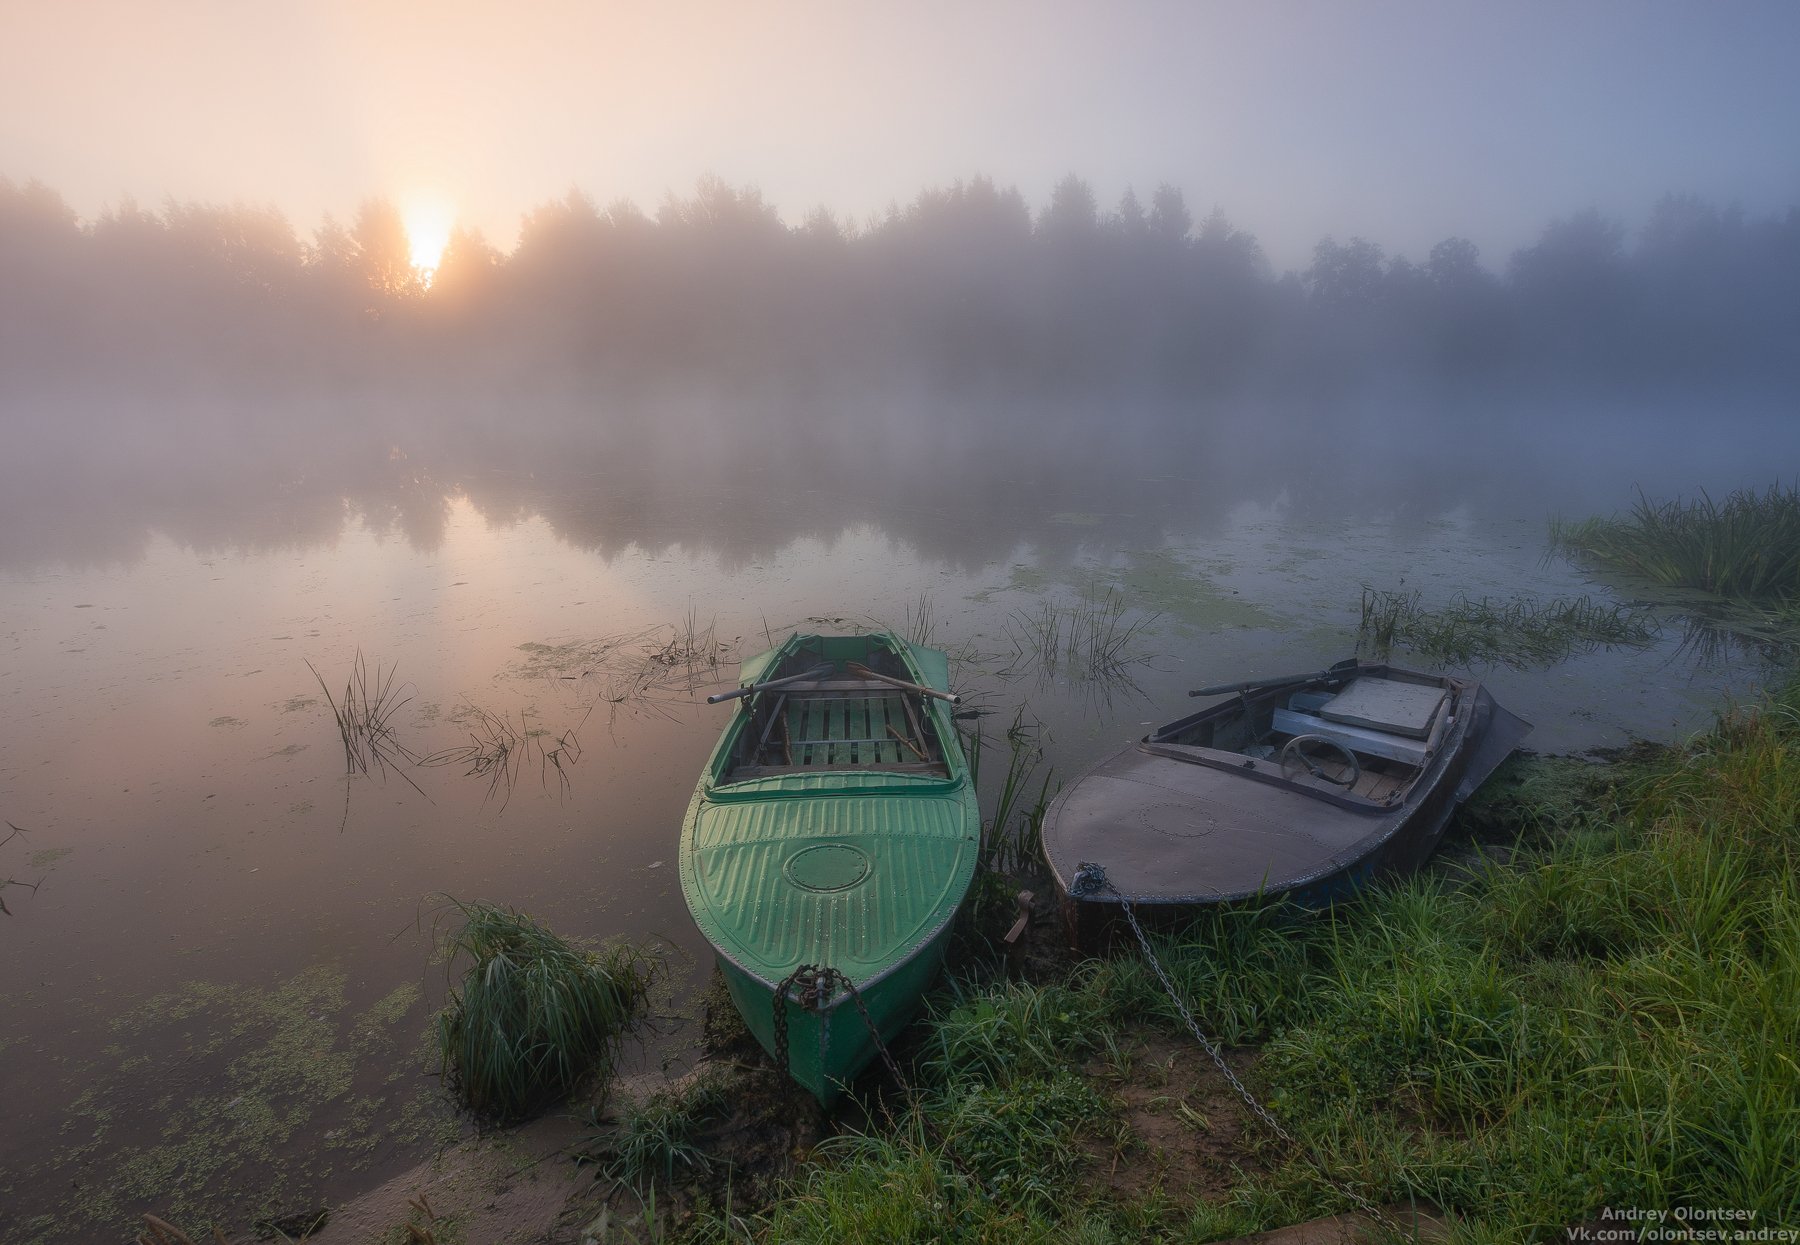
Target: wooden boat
{"x": 1303, "y": 787}
{"x": 835, "y": 829}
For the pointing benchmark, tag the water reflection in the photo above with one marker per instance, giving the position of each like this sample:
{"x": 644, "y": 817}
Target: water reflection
{"x": 96, "y": 486}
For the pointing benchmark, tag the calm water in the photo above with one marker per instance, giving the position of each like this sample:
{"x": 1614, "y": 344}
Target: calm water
{"x": 223, "y": 979}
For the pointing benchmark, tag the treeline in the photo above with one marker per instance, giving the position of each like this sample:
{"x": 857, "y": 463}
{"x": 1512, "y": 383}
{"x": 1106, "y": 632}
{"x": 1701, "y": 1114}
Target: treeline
{"x": 966, "y": 291}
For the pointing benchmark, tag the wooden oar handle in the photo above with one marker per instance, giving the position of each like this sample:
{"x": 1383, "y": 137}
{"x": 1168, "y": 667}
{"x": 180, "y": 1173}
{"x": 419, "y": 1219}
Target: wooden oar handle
{"x": 857, "y": 668}
{"x": 752, "y": 688}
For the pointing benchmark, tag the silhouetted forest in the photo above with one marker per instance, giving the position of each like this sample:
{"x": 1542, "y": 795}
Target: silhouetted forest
{"x": 964, "y": 293}
{"x": 712, "y": 376}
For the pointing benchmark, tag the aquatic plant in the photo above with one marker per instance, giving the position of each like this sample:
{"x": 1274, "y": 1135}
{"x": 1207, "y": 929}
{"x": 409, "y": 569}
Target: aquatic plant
{"x": 1091, "y": 640}
{"x": 162, "y": 1232}
{"x": 9, "y": 881}
{"x": 497, "y": 751}
{"x": 921, "y": 620}
{"x": 1521, "y": 632}
{"x": 365, "y": 719}
{"x": 1746, "y": 547}
{"x": 1013, "y": 837}
{"x": 536, "y": 1016}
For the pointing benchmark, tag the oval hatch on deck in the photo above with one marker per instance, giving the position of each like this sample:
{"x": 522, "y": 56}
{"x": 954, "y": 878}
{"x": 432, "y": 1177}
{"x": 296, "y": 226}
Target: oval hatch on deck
{"x": 827, "y": 867}
{"x": 1181, "y": 821}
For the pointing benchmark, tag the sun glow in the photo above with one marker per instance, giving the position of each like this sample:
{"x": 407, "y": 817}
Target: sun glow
{"x": 428, "y": 225}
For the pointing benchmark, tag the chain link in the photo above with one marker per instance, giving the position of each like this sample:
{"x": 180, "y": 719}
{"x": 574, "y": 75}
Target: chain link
{"x": 1091, "y": 879}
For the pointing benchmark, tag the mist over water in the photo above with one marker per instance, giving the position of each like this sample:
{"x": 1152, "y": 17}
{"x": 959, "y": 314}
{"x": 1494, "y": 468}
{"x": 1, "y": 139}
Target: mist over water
{"x": 231, "y": 453}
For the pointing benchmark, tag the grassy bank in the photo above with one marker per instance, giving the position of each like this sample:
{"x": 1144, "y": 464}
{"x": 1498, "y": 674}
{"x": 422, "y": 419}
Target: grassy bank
{"x": 1746, "y": 547}
{"x": 1601, "y": 1011}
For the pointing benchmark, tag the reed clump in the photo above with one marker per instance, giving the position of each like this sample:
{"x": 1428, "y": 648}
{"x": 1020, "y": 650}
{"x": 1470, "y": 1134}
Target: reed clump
{"x": 1092, "y": 640}
{"x": 498, "y": 749}
{"x": 1746, "y": 547}
{"x": 365, "y": 711}
{"x": 536, "y": 1017}
{"x": 1521, "y": 632}
{"x": 1012, "y": 839}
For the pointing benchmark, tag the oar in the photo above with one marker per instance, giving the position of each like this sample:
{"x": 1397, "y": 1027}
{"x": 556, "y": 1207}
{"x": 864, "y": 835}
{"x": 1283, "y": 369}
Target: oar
{"x": 1263, "y": 685}
{"x": 816, "y": 672}
{"x": 858, "y": 668}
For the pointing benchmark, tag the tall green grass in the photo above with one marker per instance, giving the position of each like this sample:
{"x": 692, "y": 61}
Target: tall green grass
{"x": 1012, "y": 838}
{"x": 655, "y": 1139}
{"x": 535, "y": 1016}
{"x": 1521, "y": 632}
{"x": 1745, "y": 547}
{"x": 1089, "y": 641}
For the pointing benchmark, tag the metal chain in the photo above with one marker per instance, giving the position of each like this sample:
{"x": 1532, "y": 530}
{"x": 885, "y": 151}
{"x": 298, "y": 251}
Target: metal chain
{"x": 1091, "y": 879}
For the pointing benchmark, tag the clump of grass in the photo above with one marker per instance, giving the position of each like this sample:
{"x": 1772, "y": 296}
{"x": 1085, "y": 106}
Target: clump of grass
{"x": 689, "y": 646}
{"x": 365, "y": 714}
{"x": 1091, "y": 640}
{"x": 655, "y": 1139}
{"x": 1013, "y": 837}
{"x": 1521, "y": 632}
{"x": 1746, "y": 547}
{"x": 536, "y": 1016}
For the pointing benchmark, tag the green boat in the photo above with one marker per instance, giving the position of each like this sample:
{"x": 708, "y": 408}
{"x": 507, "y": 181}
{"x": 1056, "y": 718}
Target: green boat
{"x": 829, "y": 844}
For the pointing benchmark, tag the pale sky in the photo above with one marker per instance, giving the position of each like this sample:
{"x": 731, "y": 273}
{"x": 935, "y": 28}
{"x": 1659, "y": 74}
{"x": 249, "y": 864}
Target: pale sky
{"x": 1403, "y": 122}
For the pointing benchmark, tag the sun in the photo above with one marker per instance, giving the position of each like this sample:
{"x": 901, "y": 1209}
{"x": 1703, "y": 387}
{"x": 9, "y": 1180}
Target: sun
{"x": 428, "y": 224}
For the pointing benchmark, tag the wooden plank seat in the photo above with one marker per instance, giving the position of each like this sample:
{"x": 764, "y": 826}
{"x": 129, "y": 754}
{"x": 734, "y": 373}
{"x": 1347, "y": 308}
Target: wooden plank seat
{"x": 840, "y": 724}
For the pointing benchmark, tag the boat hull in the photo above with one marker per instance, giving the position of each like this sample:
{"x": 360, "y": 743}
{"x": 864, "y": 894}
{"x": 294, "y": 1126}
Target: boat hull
{"x": 1177, "y": 825}
{"x": 836, "y": 826}
{"x": 830, "y": 1044}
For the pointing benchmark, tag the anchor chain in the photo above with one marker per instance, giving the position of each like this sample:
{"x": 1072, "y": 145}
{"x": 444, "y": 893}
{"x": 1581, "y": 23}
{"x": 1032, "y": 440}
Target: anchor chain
{"x": 1091, "y": 879}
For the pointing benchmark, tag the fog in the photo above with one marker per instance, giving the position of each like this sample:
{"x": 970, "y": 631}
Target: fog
{"x": 955, "y": 371}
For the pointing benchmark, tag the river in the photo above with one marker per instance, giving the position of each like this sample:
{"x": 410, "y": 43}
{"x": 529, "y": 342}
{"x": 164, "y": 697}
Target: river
{"x": 218, "y": 993}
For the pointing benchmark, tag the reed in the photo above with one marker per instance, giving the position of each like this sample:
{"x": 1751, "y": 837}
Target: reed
{"x": 1746, "y": 547}
{"x": 365, "y": 713}
{"x": 1013, "y": 837}
{"x": 921, "y": 621}
{"x": 536, "y": 1016}
{"x": 10, "y": 881}
{"x": 1521, "y": 632}
{"x": 1092, "y": 640}
{"x": 498, "y": 750}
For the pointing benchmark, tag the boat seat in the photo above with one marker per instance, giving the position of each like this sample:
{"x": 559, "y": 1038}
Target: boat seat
{"x": 1387, "y": 705}
{"x": 1375, "y": 717}
{"x": 844, "y": 728}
